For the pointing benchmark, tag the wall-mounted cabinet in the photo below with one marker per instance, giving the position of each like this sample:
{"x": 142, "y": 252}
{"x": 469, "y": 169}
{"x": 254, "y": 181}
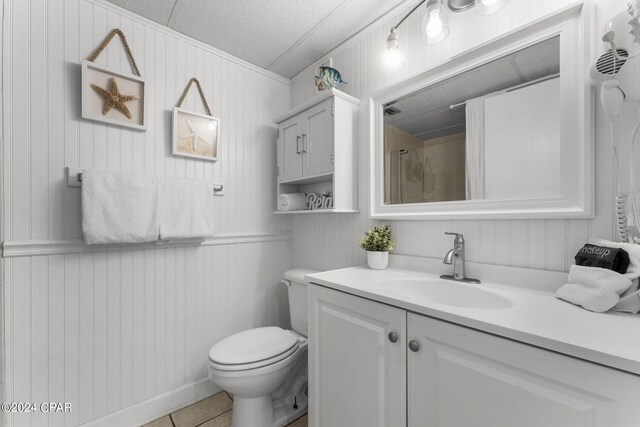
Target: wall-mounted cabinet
{"x": 316, "y": 150}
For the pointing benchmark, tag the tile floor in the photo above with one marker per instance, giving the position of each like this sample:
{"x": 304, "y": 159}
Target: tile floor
{"x": 214, "y": 411}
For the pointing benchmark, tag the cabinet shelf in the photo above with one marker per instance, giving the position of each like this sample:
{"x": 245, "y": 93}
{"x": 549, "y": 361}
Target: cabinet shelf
{"x": 318, "y": 211}
{"x": 322, "y": 177}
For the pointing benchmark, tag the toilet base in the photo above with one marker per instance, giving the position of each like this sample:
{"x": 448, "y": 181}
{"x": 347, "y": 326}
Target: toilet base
{"x": 285, "y": 413}
{"x": 253, "y": 412}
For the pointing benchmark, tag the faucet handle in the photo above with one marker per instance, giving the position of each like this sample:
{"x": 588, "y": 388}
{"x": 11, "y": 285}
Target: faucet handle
{"x": 459, "y": 237}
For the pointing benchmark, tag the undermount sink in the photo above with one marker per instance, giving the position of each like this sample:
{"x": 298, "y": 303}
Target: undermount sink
{"x": 446, "y": 292}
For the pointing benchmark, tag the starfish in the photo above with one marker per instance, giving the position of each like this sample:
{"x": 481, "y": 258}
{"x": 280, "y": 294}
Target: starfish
{"x": 195, "y": 134}
{"x": 113, "y": 98}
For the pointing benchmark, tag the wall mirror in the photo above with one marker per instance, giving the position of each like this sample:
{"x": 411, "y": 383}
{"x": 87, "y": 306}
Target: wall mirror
{"x": 502, "y": 131}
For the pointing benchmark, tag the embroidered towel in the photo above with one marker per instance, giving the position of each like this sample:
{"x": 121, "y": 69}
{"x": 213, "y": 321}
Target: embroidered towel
{"x": 616, "y": 259}
{"x": 633, "y": 271}
{"x": 118, "y": 207}
{"x": 185, "y": 208}
{"x": 596, "y": 289}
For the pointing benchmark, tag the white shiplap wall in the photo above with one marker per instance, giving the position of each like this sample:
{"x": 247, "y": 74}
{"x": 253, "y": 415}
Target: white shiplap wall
{"x": 109, "y": 331}
{"x": 330, "y": 241}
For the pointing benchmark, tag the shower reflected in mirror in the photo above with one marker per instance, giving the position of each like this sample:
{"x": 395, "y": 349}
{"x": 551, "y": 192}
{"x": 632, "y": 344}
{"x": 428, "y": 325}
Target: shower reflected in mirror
{"x": 492, "y": 132}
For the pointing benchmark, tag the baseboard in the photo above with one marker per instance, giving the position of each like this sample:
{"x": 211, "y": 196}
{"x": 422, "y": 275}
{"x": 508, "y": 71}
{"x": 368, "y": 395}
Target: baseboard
{"x": 157, "y": 407}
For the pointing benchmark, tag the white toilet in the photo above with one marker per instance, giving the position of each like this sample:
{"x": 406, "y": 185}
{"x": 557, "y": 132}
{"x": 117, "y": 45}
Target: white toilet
{"x": 266, "y": 368}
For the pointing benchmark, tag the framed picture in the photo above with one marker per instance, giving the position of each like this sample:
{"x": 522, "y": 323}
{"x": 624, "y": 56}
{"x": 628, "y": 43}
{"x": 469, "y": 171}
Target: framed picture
{"x": 195, "y": 135}
{"x": 112, "y": 97}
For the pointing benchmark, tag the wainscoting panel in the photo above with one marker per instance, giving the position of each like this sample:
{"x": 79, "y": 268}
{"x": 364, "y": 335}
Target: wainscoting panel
{"x": 108, "y": 330}
{"x": 330, "y": 241}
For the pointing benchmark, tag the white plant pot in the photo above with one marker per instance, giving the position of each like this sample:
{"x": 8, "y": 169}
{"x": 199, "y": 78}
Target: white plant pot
{"x": 377, "y": 260}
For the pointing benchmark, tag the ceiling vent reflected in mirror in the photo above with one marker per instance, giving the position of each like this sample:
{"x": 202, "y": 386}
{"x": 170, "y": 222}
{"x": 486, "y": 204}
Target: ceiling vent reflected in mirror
{"x": 391, "y": 111}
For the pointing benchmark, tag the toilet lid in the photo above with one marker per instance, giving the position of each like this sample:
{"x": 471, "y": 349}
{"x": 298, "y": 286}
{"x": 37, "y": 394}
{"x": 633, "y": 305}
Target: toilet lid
{"x": 252, "y": 345}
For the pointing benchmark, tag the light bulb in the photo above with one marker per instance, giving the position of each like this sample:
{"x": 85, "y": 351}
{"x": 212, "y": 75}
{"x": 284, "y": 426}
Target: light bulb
{"x": 434, "y": 25}
{"x": 435, "y": 22}
{"x": 393, "y": 58}
{"x": 212, "y": 125}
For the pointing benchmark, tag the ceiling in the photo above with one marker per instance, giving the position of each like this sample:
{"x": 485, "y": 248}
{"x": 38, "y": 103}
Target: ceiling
{"x": 284, "y": 36}
{"x": 426, "y": 114}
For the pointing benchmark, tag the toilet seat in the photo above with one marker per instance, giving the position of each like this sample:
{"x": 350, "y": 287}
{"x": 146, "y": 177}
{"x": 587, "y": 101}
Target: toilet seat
{"x": 253, "y": 348}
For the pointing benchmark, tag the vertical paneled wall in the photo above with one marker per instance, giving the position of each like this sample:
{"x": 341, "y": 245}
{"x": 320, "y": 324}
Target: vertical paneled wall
{"x": 108, "y": 331}
{"x": 330, "y": 241}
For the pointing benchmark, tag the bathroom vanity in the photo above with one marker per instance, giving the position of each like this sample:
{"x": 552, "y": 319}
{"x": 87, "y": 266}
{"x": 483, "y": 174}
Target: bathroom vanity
{"x": 403, "y": 347}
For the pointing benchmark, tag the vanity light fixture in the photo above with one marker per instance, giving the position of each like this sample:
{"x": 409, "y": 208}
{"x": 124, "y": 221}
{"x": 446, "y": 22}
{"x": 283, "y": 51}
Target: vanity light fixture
{"x": 434, "y": 27}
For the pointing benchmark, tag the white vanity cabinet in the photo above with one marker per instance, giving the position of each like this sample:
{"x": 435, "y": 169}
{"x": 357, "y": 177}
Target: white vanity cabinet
{"x": 316, "y": 149}
{"x": 455, "y": 376}
{"x": 357, "y": 375}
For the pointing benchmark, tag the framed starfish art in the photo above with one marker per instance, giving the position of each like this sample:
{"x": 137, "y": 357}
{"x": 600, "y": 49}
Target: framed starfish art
{"x": 195, "y": 135}
{"x": 112, "y": 97}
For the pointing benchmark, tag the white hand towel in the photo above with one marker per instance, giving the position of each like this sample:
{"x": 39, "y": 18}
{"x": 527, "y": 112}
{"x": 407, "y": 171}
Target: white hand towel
{"x": 633, "y": 271}
{"x": 118, "y": 207}
{"x": 185, "y": 208}
{"x": 629, "y": 300}
{"x": 292, "y": 202}
{"x": 596, "y": 289}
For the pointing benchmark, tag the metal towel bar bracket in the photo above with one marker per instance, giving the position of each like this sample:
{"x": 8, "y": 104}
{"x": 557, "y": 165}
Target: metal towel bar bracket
{"x": 74, "y": 179}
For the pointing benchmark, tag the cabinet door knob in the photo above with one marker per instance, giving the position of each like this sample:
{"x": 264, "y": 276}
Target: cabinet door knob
{"x": 414, "y": 346}
{"x": 298, "y": 145}
{"x": 393, "y": 337}
{"x": 304, "y": 141}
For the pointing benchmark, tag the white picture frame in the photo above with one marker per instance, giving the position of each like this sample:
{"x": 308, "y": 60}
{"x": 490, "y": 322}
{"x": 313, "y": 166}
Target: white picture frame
{"x": 189, "y": 139}
{"x": 128, "y": 84}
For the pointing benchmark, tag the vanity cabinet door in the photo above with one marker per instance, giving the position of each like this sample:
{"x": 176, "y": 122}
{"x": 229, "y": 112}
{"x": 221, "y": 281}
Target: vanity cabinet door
{"x": 357, "y": 375}
{"x": 460, "y": 377}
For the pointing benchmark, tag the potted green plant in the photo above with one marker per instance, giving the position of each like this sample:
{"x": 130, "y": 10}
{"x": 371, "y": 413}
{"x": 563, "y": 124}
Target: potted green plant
{"x": 377, "y": 242}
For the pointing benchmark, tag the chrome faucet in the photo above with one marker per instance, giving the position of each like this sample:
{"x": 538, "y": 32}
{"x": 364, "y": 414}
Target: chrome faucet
{"x": 456, "y": 257}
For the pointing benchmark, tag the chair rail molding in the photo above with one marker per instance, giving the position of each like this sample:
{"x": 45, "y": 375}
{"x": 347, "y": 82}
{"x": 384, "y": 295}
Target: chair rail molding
{"x": 27, "y": 248}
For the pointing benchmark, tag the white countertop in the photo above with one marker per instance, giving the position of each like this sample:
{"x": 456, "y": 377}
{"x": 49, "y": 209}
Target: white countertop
{"x": 536, "y": 317}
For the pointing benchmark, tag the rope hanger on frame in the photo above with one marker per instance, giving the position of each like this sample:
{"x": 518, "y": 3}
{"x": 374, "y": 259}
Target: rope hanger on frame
{"x": 186, "y": 90}
{"x": 127, "y": 49}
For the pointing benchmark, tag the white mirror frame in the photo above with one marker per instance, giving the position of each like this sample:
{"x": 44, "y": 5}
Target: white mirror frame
{"x": 574, "y": 26}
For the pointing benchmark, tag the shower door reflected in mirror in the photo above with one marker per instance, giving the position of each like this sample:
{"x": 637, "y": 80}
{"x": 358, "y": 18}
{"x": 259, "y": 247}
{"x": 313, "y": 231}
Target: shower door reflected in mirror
{"x": 493, "y": 132}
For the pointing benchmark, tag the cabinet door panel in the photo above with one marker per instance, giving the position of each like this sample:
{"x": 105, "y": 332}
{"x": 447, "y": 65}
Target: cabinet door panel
{"x": 317, "y": 139}
{"x": 461, "y": 377}
{"x": 357, "y": 377}
{"x": 289, "y": 149}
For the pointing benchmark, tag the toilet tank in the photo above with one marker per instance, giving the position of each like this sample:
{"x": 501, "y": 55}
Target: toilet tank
{"x": 297, "y": 290}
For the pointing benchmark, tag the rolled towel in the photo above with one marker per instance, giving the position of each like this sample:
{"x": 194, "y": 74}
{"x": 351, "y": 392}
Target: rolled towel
{"x": 616, "y": 259}
{"x": 292, "y": 202}
{"x": 596, "y": 289}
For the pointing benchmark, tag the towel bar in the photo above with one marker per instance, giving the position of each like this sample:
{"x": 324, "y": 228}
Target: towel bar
{"x": 74, "y": 179}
